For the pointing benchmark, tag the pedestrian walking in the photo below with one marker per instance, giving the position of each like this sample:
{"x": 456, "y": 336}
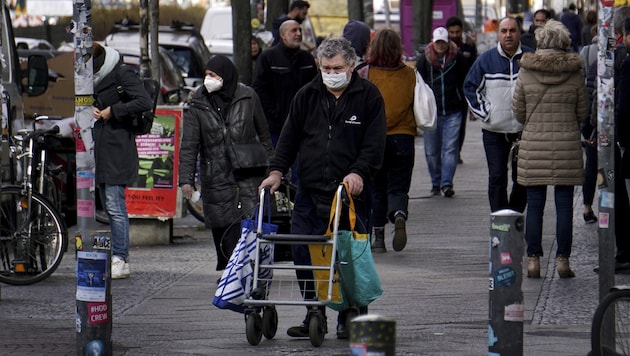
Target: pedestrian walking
{"x": 622, "y": 114}
{"x": 222, "y": 113}
{"x": 115, "y": 150}
{"x": 488, "y": 88}
{"x": 573, "y": 22}
{"x": 550, "y": 100}
{"x": 395, "y": 81}
{"x": 298, "y": 10}
{"x": 444, "y": 68}
{"x": 528, "y": 38}
{"x": 337, "y": 125}
{"x": 280, "y": 72}
{"x": 468, "y": 49}
{"x": 621, "y": 201}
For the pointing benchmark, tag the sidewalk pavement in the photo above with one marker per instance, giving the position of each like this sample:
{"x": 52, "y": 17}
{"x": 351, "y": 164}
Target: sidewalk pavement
{"x": 436, "y": 289}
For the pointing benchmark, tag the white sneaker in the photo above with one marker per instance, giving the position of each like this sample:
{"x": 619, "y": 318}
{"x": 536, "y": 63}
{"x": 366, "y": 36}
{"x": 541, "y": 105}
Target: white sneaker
{"x": 120, "y": 269}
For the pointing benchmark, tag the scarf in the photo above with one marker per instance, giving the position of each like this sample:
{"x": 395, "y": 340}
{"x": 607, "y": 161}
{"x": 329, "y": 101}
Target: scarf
{"x": 112, "y": 57}
{"x": 225, "y": 69}
{"x": 441, "y": 63}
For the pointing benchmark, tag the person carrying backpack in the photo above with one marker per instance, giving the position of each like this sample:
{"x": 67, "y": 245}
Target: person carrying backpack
{"x": 115, "y": 152}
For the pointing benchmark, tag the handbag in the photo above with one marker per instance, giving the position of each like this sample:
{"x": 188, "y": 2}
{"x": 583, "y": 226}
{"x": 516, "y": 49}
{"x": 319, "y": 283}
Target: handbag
{"x": 361, "y": 284}
{"x": 236, "y": 282}
{"x": 247, "y": 155}
{"x": 424, "y": 106}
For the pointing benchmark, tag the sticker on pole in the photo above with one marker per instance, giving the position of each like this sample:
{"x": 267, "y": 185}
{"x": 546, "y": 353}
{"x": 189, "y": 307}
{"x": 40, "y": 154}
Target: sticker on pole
{"x": 98, "y": 313}
{"x": 514, "y": 312}
{"x": 91, "y": 276}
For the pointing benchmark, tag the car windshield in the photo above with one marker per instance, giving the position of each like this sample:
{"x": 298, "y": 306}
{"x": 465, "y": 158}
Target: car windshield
{"x": 185, "y": 59}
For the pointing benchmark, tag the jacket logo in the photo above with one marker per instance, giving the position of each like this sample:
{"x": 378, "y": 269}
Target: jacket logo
{"x": 353, "y": 120}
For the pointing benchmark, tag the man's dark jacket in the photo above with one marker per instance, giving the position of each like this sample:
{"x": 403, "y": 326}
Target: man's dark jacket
{"x": 333, "y": 140}
{"x": 280, "y": 73}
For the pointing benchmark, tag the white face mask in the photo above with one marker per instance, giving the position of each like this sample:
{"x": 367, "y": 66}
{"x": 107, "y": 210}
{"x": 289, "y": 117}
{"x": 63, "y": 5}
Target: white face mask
{"x": 335, "y": 81}
{"x": 212, "y": 84}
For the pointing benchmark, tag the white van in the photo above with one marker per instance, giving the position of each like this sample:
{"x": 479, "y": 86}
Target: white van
{"x": 216, "y": 30}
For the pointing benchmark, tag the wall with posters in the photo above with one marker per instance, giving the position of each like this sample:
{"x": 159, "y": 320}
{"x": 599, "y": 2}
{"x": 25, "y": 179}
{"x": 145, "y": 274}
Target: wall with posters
{"x": 155, "y": 193}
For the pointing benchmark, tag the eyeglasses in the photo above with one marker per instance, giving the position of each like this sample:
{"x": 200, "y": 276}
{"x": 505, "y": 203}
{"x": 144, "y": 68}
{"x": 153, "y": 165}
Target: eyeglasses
{"x": 335, "y": 69}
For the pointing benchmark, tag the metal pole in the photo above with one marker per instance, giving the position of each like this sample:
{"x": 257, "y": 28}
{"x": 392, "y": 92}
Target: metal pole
{"x": 605, "y": 148}
{"x": 93, "y": 297}
{"x": 505, "y": 329}
{"x": 606, "y": 156}
{"x": 145, "y": 60}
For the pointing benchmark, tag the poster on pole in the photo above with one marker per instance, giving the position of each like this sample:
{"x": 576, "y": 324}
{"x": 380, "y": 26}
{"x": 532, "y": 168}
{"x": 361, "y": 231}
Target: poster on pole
{"x": 154, "y": 194}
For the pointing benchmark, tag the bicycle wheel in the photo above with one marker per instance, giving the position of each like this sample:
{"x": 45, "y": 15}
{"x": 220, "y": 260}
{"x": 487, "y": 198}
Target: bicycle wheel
{"x": 31, "y": 244}
{"x": 610, "y": 334}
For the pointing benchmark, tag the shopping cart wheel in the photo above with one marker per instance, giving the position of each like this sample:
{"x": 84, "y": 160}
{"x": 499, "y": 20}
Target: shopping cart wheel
{"x": 316, "y": 330}
{"x": 269, "y": 322}
{"x": 253, "y": 328}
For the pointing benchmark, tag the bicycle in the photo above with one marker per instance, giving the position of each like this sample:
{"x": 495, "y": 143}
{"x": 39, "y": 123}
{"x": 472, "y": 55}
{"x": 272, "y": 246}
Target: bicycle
{"x": 33, "y": 235}
{"x": 610, "y": 334}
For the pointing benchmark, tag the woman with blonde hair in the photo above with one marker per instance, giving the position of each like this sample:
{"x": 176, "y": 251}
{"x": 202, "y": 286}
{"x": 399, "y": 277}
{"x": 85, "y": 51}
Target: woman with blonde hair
{"x": 550, "y": 100}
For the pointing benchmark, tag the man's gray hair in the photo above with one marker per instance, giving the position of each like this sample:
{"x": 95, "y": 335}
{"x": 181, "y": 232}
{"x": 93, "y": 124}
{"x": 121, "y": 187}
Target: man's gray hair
{"x": 334, "y": 46}
{"x": 554, "y": 35}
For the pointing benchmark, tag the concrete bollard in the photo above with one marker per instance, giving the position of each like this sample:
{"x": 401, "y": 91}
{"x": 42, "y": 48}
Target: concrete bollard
{"x": 94, "y": 297}
{"x": 506, "y": 309}
{"x": 372, "y": 335}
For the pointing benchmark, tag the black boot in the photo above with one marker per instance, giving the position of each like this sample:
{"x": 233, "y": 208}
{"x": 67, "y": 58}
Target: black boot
{"x": 378, "y": 243}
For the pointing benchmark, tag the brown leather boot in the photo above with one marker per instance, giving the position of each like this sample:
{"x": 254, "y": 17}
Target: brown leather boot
{"x": 562, "y": 266}
{"x": 533, "y": 267}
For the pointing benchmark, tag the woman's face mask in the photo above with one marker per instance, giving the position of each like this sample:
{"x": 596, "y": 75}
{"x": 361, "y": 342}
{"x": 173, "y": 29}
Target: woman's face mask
{"x": 212, "y": 84}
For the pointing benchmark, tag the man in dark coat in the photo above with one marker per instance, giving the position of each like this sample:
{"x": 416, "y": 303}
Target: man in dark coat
{"x": 298, "y": 10}
{"x": 573, "y": 22}
{"x": 115, "y": 149}
{"x": 337, "y": 125}
{"x": 280, "y": 72}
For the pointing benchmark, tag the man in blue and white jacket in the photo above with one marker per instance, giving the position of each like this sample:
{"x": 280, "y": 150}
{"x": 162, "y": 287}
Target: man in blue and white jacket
{"x": 488, "y": 88}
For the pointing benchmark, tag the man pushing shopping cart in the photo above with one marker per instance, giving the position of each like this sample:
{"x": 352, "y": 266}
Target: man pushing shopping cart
{"x": 336, "y": 131}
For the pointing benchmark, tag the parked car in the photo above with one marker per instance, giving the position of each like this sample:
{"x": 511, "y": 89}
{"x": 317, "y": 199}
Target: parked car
{"x": 173, "y": 88}
{"x": 33, "y": 43}
{"x": 183, "y": 43}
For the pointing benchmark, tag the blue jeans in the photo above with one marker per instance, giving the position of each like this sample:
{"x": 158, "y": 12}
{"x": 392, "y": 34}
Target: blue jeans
{"x": 536, "y": 197}
{"x": 392, "y": 182}
{"x": 497, "y": 147}
{"x": 441, "y": 148}
{"x": 114, "y": 198}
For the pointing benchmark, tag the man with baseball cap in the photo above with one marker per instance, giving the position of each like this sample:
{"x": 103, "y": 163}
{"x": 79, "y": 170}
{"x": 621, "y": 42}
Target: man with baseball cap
{"x": 443, "y": 68}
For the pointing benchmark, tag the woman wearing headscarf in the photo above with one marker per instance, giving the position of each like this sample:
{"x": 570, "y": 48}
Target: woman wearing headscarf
{"x": 115, "y": 152}
{"x": 550, "y": 100}
{"x": 222, "y": 112}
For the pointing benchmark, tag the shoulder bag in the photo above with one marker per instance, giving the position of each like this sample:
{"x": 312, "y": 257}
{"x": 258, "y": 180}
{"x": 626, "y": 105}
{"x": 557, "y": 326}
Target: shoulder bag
{"x": 424, "y": 106}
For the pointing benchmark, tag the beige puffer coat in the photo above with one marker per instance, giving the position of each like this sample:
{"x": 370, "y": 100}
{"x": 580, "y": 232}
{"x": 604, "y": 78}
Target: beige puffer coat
{"x": 550, "y": 100}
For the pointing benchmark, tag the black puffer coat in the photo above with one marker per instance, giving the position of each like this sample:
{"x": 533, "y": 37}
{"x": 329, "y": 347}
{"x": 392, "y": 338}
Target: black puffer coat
{"x": 115, "y": 149}
{"x": 205, "y": 134}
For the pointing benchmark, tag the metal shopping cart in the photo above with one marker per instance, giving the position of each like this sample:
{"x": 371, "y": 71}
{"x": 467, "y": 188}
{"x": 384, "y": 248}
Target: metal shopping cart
{"x": 259, "y": 299}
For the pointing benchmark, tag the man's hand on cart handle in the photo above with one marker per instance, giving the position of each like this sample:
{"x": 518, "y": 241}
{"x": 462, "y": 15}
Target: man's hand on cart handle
{"x": 272, "y": 181}
{"x": 355, "y": 183}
